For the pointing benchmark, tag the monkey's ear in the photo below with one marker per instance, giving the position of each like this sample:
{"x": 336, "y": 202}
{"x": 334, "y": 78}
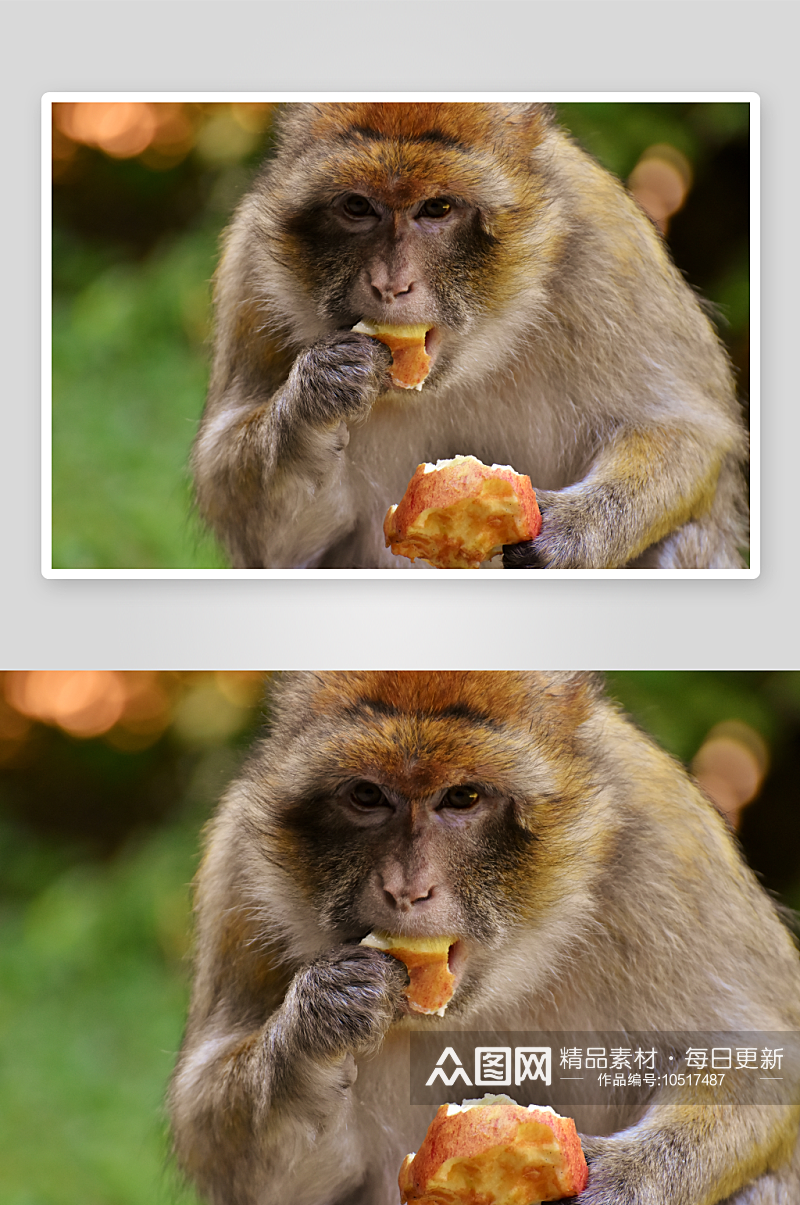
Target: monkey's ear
{"x": 524, "y": 112}
{"x": 288, "y": 700}
{"x": 570, "y": 694}
{"x": 526, "y": 122}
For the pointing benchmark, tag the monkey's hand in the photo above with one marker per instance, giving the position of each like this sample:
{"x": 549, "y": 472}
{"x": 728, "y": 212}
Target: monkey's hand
{"x": 269, "y": 472}
{"x": 333, "y": 382}
{"x": 694, "y": 1154}
{"x": 551, "y": 545}
{"x": 613, "y": 1178}
{"x": 273, "y": 1102}
{"x": 522, "y": 556}
{"x": 344, "y": 1002}
{"x": 642, "y": 486}
{"x": 627, "y": 1169}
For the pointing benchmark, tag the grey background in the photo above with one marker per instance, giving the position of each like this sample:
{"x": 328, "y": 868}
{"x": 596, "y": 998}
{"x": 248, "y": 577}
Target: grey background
{"x": 379, "y": 45}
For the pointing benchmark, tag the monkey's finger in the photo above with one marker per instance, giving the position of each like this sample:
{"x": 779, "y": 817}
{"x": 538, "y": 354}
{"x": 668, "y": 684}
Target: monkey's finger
{"x": 399, "y": 969}
{"x": 400, "y": 980}
{"x": 590, "y": 1147}
{"x": 397, "y": 977}
{"x": 522, "y": 556}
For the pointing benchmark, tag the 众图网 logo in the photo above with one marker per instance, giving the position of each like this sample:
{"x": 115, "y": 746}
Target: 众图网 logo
{"x": 495, "y": 1066}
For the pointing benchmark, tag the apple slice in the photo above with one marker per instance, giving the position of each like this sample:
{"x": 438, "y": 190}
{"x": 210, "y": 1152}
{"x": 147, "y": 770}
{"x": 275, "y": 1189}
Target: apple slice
{"x": 495, "y": 1152}
{"x": 410, "y": 361}
{"x": 432, "y": 982}
{"x": 457, "y": 513}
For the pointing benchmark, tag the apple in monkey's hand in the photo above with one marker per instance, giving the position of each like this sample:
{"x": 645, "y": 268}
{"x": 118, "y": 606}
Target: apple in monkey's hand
{"x": 457, "y": 513}
{"x": 431, "y": 982}
{"x": 494, "y": 1152}
{"x": 410, "y": 360}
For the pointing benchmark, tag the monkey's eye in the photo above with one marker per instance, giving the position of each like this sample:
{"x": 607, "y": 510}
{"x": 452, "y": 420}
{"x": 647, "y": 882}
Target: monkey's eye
{"x": 367, "y": 795}
{"x": 356, "y": 206}
{"x": 461, "y": 798}
{"x": 436, "y": 207}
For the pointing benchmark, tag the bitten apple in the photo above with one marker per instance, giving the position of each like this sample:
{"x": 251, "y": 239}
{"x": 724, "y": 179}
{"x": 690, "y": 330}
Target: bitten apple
{"x": 426, "y": 958}
{"x": 410, "y": 360}
{"x": 495, "y": 1152}
{"x": 457, "y": 513}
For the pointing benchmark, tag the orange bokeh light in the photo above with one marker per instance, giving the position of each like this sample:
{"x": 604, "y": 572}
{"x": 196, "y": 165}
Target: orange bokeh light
{"x": 84, "y": 703}
{"x": 130, "y": 709}
{"x": 730, "y": 766}
{"x": 120, "y": 128}
{"x": 660, "y": 182}
{"x": 161, "y": 133}
{"x": 174, "y": 133}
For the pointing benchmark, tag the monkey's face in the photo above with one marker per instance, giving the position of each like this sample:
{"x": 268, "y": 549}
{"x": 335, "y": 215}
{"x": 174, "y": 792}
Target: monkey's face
{"x": 408, "y": 214}
{"x": 428, "y": 804}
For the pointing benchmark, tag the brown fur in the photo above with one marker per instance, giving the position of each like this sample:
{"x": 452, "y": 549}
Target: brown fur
{"x": 592, "y": 887}
{"x": 570, "y": 347}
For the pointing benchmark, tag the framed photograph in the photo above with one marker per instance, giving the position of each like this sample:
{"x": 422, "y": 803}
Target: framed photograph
{"x": 301, "y": 335}
{"x": 589, "y": 887}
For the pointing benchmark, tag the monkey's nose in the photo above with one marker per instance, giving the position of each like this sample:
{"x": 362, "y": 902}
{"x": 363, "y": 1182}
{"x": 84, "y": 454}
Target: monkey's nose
{"x": 403, "y": 898}
{"x": 386, "y": 289}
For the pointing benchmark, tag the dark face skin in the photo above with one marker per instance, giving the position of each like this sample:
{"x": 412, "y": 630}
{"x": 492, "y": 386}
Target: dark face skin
{"x": 407, "y": 862}
{"x": 413, "y": 840}
{"x": 393, "y": 263}
{"x": 398, "y": 245}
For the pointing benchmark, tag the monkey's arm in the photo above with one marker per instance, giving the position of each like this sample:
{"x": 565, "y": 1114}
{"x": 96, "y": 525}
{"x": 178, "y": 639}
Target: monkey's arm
{"x": 643, "y": 485}
{"x": 264, "y": 1111}
{"x": 702, "y": 948}
{"x": 269, "y": 473}
{"x": 685, "y": 1153}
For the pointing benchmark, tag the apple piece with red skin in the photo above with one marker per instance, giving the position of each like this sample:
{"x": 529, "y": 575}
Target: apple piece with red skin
{"x": 432, "y": 983}
{"x": 494, "y": 1152}
{"x": 410, "y": 360}
{"x": 457, "y": 513}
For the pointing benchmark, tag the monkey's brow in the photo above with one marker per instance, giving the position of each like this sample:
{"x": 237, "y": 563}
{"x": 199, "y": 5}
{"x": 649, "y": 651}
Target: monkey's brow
{"x": 428, "y": 136}
{"x": 458, "y": 711}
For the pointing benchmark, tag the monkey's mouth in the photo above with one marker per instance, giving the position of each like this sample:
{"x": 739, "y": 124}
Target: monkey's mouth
{"x": 435, "y": 965}
{"x": 433, "y": 339}
{"x": 414, "y": 348}
{"x": 456, "y": 962}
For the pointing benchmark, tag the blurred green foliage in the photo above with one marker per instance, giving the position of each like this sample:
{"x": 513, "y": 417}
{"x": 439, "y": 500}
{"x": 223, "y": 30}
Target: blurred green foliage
{"x": 134, "y": 250}
{"x": 678, "y": 708}
{"x": 129, "y": 378}
{"x": 91, "y": 1014}
{"x": 94, "y": 939}
{"x": 618, "y": 133}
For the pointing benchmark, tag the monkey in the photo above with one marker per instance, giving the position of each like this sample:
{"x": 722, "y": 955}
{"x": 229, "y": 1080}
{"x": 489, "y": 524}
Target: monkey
{"x": 590, "y": 883}
{"x": 564, "y": 342}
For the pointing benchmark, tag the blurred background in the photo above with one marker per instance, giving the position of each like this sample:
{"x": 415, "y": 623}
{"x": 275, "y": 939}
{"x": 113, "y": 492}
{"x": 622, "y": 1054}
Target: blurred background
{"x": 141, "y": 192}
{"x": 106, "y": 779}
